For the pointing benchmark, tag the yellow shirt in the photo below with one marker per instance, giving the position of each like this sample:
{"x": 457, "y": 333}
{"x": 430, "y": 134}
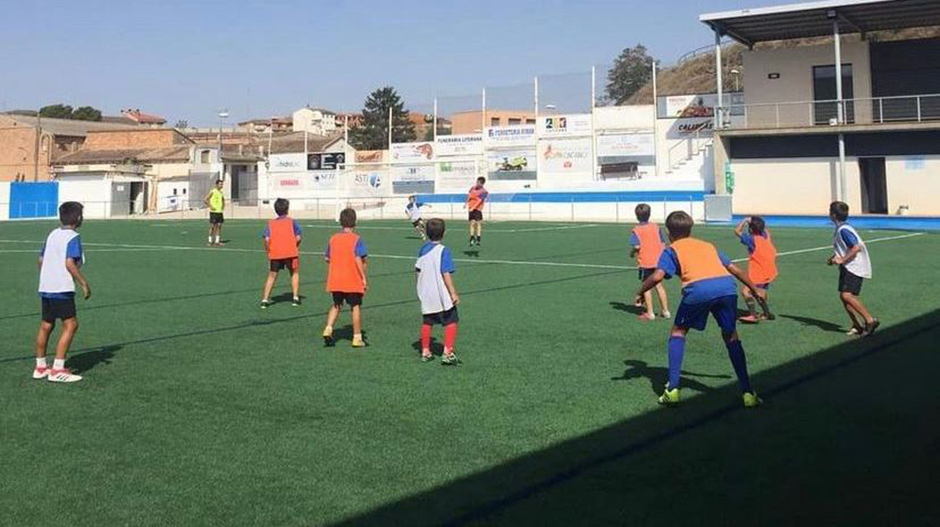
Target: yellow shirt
{"x": 216, "y": 200}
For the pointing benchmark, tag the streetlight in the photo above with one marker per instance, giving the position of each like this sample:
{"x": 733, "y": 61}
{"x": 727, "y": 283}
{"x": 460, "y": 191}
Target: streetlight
{"x": 223, "y": 114}
{"x": 737, "y": 75}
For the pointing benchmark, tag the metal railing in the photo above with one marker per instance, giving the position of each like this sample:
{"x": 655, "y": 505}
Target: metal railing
{"x": 861, "y": 111}
{"x": 685, "y": 150}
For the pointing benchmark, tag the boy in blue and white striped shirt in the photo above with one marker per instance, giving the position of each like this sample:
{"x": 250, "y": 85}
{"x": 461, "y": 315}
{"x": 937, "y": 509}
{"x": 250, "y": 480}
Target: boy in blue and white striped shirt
{"x": 59, "y": 269}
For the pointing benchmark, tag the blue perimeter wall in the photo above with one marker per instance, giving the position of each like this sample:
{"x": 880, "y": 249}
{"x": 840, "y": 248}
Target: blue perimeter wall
{"x": 34, "y": 200}
{"x": 897, "y": 223}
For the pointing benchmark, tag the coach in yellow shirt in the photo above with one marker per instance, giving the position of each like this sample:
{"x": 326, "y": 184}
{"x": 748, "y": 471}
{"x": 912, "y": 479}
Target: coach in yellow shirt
{"x": 215, "y": 200}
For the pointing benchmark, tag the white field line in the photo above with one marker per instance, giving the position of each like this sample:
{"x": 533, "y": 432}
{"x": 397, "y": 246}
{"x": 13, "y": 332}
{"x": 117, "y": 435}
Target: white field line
{"x": 491, "y": 230}
{"x": 95, "y": 251}
{"x": 463, "y": 260}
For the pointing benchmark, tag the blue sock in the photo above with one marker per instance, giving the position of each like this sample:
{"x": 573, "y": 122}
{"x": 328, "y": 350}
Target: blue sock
{"x": 676, "y": 351}
{"x": 736, "y": 354}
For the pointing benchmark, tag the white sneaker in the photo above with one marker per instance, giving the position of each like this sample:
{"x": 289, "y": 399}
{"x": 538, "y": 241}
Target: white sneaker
{"x": 63, "y": 375}
{"x": 666, "y": 314}
{"x": 41, "y": 373}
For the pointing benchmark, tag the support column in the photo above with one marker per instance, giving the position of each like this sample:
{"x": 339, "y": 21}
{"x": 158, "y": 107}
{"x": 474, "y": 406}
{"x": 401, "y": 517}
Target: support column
{"x": 840, "y": 108}
{"x": 718, "y": 79}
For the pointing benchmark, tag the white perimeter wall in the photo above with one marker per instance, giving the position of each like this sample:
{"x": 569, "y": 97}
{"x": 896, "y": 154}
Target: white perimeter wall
{"x": 4, "y": 200}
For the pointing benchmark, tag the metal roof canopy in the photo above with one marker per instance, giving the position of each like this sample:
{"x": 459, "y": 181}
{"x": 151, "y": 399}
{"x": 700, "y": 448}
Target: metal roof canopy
{"x": 814, "y": 19}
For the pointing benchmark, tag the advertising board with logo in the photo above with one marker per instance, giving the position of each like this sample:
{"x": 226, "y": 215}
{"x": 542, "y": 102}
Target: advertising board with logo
{"x": 566, "y": 156}
{"x": 285, "y": 185}
{"x": 287, "y": 163}
{"x": 509, "y": 136}
{"x": 404, "y": 152}
{"x": 413, "y": 179}
{"x": 625, "y": 145}
{"x": 511, "y": 164}
{"x": 370, "y": 156}
{"x": 367, "y": 182}
{"x": 459, "y": 145}
{"x": 456, "y": 174}
{"x": 328, "y": 161}
{"x": 565, "y": 125}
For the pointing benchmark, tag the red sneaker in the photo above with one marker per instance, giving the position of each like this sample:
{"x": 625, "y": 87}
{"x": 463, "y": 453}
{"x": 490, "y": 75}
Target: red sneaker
{"x": 63, "y": 375}
{"x": 749, "y": 319}
{"x": 41, "y": 373}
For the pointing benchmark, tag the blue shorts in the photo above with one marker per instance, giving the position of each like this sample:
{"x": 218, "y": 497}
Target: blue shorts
{"x": 695, "y": 316}
{"x": 765, "y": 287}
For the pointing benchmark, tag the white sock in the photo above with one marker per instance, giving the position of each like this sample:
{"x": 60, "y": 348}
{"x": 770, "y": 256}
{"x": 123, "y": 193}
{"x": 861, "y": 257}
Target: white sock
{"x": 41, "y": 362}
{"x": 58, "y": 364}
{"x": 358, "y": 336}
{"x": 210, "y": 239}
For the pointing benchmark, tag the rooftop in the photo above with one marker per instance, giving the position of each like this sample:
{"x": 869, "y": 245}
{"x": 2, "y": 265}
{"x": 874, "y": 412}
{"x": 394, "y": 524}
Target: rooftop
{"x": 63, "y": 127}
{"x": 814, "y": 19}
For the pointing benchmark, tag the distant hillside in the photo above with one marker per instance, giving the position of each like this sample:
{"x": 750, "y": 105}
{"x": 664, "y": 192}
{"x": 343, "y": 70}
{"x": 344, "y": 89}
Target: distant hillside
{"x": 697, "y": 75}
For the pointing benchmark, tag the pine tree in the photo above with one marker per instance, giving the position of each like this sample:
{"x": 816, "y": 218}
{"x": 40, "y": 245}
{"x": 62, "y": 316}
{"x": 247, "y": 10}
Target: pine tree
{"x": 372, "y": 134}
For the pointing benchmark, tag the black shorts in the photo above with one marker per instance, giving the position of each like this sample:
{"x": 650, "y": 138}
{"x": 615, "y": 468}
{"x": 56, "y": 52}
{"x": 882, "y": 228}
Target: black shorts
{"x": 216, "y": 218}
{"x": 291, "y": 264}
{"x": 476, "y": 215}
{"x": 352, "y": 299}
{"x": 444, "y": 318}
{"x": 57, "y": 309}
{"x": 848, "y": 282}
{"x": 643, "y": 274}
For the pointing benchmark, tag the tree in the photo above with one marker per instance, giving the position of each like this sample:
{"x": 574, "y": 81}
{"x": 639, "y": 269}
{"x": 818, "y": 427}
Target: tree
{"x": 372, "y": 134}
{"x": 86, "y": 113}
{"x": 631, "y": 71}
{"x": 56, "y": 111}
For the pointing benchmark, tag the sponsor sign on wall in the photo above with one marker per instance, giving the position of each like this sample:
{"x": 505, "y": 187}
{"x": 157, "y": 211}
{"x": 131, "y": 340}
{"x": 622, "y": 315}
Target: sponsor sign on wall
{"x": 325, "y": 161}
{"x": 509, "y": 136}
{"x": 510, "y": 164}
{"x": 625, "y": 145}
{"x": 565, "y": 125}
{"x": 370, "y": 156}
{"x": 298, "y": 184}
{"x": 459, "y": 145}
{"x": 413, "y": 179}
{"x": 288, "y": 163}
{"x": 456, "y": 174}
{"x": 403, "y": 152}
{"x": 565, "y": 156}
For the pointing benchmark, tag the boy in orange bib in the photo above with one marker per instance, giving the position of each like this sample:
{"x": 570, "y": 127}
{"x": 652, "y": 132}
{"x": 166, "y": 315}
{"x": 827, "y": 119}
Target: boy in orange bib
{"x": 282, "y": 237}
{"x": 708, "y": 288}
{"x": 346, "y": 278}
{"x": 648, "y": 244}
{"x": 761, "y": 265}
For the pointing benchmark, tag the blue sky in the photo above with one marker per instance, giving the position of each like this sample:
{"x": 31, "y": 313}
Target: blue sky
{"x": 188, "y": 59}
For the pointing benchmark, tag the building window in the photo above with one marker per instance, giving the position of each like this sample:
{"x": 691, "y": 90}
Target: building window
{"x": 825, "y": 93}
{"x": 530, "y": 121}
{"x": 204, "y": 157}
{"x": 494, "y": 121}
{"x": 514, "y": 121}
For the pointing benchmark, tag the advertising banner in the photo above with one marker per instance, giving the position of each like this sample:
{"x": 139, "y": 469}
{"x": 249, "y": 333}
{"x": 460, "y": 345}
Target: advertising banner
{"x": 457, "y": 174}
{"x": 511, "y": 164}
{"x": 370, "y": 156}
{"x": 287, "y": 163}
{"x": 625, "y": 145}
{"x": 565, "y": 125}
{"x": 565, "y": 156}
{"x": 459, "y": 145}
{"x": 327, "y": 161}
{"x": 403, "y": 152}
{"x": 413, "y": 179}
{"x": 509, "y": 136}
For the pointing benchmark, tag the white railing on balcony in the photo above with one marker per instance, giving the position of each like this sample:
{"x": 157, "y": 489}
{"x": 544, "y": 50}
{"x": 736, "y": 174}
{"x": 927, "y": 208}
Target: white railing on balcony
{"x": 877, "y": 110}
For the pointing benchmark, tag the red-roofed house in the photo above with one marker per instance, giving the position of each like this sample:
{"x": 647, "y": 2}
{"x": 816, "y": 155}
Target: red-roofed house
{"x": 143, "y": 118}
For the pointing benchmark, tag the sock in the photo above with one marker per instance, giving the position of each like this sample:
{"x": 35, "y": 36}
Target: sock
{"x": 736, "y": 354}
{"x": 211, "y": 238}
{"x": 58, "y": 364}
{"x": 425, "y": 338}
{"x": 676, "y": 352}
{"x": 751, "y": 307}
{"x": 41, "y": 362}
{"x": 328, "y": 330}
{"x": 450, "y": 338}
{"x": 218, "y": 239}
{"x": 357, "y": 336}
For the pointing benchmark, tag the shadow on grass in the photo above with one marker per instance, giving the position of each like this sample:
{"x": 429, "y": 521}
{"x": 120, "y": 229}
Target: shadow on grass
{"x": 472, "y": 253}
{"x": 437, "y": 348}
{"x": 628, "y": 308}
{"x": 824, "y": 325}
{"x": 658, "y": 375}
{"x": 84, "y": 362}
{"x": 847, "y": 436}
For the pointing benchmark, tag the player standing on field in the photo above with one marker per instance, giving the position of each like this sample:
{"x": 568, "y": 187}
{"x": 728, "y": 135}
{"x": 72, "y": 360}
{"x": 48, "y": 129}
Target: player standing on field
{"x": 476, "y": 200}
{"x": 215, "y": 200}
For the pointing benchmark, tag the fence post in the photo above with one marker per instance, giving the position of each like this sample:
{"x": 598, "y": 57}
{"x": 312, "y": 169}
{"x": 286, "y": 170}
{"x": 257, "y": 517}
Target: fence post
{"x": 881, "y": 110}
{"x": 530, "y": 207}
{"x": 777, "y": 116}
{"x": 572, "y": 208}
{"x": 918, "y": 108}
{"x": 617, "y": 209}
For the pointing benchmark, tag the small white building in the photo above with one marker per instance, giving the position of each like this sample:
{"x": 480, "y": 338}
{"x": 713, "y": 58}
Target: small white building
{"x": 317, "y": 121}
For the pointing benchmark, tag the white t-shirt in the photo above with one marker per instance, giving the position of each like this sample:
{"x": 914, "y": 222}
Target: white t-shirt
{"x": 433, "y": 261}
{"x": 846, "y": 237}
{"x": 54, "y": 277}
{"x": 414, "y": 211}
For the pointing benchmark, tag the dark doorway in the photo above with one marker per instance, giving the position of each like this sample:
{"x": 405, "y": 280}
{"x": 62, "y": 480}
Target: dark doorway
{"x": 874, "y": 185}
{"x": 826, "y": 110}
{"x": 138, "y": 198}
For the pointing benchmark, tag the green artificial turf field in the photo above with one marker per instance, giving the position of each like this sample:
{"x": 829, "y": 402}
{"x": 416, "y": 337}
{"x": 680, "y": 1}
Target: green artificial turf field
{"x": 198, "y": 408}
